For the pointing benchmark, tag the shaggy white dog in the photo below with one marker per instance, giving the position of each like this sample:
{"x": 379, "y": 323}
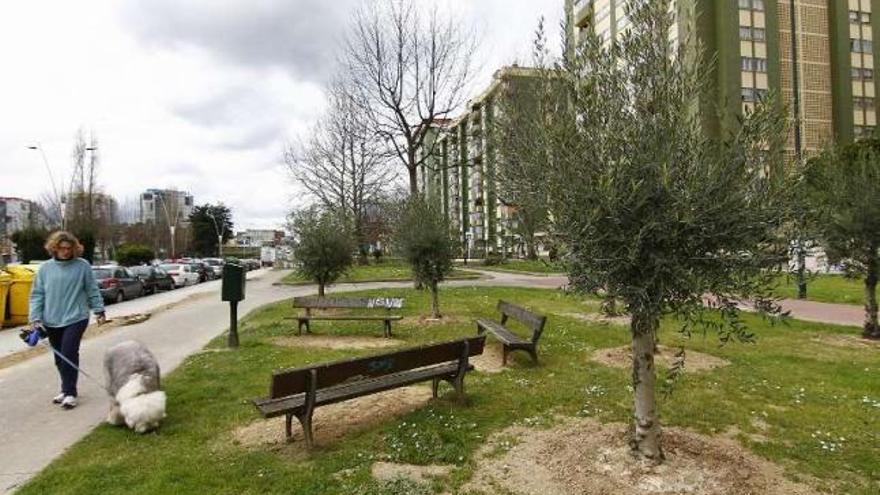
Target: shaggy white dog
{"x": 132, "y": 374}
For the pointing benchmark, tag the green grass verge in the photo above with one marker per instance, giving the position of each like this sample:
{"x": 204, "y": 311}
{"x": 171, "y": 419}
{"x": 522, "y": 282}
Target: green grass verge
{"x": 515, "y": 265}
{"x": 825, "y": 288}
{"x": 388, "y": 270}
{"x": 798, "y": 387}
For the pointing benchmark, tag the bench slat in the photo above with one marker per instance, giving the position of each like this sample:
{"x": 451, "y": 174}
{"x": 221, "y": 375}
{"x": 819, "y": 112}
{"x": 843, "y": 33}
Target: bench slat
{"x": 276, "y": 407}
{"x": 503, "y": 334}
{"x": 348, "y": 302}
{"x": 532, "y": 320}
{"x": 295, "y": 381}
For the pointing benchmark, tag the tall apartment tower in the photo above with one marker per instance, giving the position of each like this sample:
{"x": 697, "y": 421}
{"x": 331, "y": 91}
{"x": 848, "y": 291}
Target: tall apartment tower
{"x": 817, "y": 54}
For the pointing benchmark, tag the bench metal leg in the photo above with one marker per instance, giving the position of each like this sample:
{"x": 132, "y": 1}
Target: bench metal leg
{"x": 504, "y": 352}
{"x": 534, "y": 353}
{"x": 435, "y": 385}
{"x": 288, "y": 427}
{"x": 299, "y": 330}
{"x": 388, "y": 329}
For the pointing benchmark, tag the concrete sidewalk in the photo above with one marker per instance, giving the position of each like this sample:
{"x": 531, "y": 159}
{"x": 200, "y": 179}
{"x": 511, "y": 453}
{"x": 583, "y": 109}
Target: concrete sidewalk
{"x": 35, "y": 431}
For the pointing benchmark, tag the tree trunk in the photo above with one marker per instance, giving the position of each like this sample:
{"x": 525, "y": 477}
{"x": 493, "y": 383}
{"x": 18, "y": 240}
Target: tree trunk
{"x": 532, "y": 252}
{"x": 435, "y": 301}
{"x": 646, "y": 435}
{"x": 413, "y": 181}
{"x": 872, "y": 329}
{"x": 801, "y": 270}
{"x": 320, "y": 289}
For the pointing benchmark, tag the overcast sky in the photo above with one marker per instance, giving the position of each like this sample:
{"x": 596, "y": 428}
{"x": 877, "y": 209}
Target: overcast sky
{"x": 198, "y": 95}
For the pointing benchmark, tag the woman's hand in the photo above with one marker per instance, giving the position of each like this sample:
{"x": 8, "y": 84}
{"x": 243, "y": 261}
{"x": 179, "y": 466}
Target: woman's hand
{"x": 101, "y": 318}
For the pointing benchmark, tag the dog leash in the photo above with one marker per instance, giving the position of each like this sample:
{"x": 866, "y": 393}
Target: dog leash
{"x": 69, "y": 362}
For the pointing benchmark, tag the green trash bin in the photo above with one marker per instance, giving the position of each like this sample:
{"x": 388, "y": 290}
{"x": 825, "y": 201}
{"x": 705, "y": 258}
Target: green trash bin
{"x": 5, "y": 282}
{"x": 232, "y": 289}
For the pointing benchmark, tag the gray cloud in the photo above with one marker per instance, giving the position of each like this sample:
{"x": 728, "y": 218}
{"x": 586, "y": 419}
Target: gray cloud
{"x": 297, "y": 35}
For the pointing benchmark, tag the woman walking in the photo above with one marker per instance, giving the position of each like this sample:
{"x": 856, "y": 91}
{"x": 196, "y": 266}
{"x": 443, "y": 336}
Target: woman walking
{"x": 63, "y": 293}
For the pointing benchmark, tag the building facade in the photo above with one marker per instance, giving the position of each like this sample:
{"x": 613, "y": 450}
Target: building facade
{"x": 17, "y": 214}
{"x": 817, "y": 54}
{"x": 460, "y": 170}
{"x": 168, "y": 206}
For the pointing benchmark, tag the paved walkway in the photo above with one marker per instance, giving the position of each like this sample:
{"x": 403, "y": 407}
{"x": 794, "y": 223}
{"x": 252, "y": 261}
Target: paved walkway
{"x": 34, "y": 432}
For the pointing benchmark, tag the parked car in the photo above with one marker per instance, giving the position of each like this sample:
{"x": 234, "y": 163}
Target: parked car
{"x": 153, "y": 278}
{"x": 204, "y": 270}
{"x": 181, "y": 273}
{"x": 117, "y": 283}
{"x": 216, "y": 264}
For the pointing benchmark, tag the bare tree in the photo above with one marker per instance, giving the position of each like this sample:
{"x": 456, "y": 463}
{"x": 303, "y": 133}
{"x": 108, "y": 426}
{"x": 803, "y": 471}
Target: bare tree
{"x": 409, "y": 67}
{"x": 341, "y": 165}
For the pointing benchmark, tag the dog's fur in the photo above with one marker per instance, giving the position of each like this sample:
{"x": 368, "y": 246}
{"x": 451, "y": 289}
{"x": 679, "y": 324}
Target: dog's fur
{"x": 132, "y": 374}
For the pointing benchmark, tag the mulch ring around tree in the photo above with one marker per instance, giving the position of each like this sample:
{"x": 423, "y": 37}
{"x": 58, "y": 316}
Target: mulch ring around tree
{"x": 621, "y": 357}
{"x": 587, "y": 457}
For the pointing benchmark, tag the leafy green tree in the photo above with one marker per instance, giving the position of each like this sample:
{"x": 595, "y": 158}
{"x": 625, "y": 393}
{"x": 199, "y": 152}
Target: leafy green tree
{"x": 423, "y": 240}
{"x": 656, "y": 210}
{"x": 29, "y": 243}
{"x": 325, "y": 246}
{"x": 207, "y": 223}
{"x": 134, "y": 254}
{"x": 844, "y": 183}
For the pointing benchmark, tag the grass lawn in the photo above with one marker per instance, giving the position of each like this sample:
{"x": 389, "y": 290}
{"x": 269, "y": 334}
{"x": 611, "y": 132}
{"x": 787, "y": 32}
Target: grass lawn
{"x": 389, "y": 269}
{"x": 825, "y": 288}
{"x": 516, "y": 265}
{"x": 801, "y": 389}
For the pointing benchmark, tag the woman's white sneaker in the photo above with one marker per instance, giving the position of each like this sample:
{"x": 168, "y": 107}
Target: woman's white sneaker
{"x": 58, "y": 398}
{"x": 69, "y": 402}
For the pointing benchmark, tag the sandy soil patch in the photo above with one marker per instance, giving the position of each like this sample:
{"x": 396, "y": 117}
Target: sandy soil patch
{"x": 599, "y": 318}
{"x": 621, "y": 357}
{"x": 428, "y": 320}
{"x": 337, "y": 342}
{"x": 333, "y": 422}
{"x": 388, "y": 471}
{"x": 490, "y": 360}
{"x": 847, "y": 341}
{"x": 587, "y": 457}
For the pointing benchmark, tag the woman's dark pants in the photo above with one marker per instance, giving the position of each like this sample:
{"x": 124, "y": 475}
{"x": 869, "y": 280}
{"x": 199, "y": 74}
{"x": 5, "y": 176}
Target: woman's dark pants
{"x": 66, "y": 340}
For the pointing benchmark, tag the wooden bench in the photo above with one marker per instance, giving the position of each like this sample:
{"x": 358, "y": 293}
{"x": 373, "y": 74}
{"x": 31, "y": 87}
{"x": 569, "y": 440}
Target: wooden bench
{"x": 510, "y": 340}
{"x": 312, "y": 302}
{"x": 297, "y": 392}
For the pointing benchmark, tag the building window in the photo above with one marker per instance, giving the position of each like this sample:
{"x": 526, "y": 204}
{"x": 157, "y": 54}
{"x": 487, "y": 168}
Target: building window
{"x": 753, "y": 94}
{"x": 862, "y": 74}
{"x": 856, "y": 17}
{"x": 863, "y": 102}
{"x": 863, "y": 131}
{"x": 751, "y": 4}
{"x": 752, "y": 33}
{"x": 861, "y": 46}
{"x": 753, "y": 64}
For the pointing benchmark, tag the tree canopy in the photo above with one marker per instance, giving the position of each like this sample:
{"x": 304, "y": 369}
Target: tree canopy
{"x": 207, "y": 222}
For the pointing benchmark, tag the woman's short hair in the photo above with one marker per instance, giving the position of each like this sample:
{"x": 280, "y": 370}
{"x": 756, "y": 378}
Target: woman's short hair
{"x": 60, "y": 236}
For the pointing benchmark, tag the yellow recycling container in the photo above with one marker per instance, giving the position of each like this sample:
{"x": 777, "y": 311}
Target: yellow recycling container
{"x": 5, "y": 282}
{"x": 19, "y": 295}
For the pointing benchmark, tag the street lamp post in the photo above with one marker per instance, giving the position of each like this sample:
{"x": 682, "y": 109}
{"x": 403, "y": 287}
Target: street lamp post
{"x": 171, "y": 228}
{"x": 58, "y": 198}
{"x": 219, "y": 234}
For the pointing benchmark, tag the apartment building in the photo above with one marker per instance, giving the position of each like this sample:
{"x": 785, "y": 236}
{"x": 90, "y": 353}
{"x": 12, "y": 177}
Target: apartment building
{"x": 460, "y": 168}
{"x": 817, "y": 54}
{"x": 166, "y": 206}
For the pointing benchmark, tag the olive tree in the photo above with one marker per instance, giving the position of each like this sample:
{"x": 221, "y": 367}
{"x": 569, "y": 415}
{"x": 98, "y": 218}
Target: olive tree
{"x": 324, "y": 249}
{"x": 657, "y": 210}
{"x": 423, "y": 239}
{"x": 844, "y": 184}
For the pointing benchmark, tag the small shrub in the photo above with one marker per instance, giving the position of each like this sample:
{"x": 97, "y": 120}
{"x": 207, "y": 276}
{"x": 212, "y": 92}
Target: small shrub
{"x": 134, "y": 254}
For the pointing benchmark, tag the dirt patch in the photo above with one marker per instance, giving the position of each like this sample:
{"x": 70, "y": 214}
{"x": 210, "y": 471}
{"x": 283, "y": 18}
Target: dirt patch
{"x": 388, "y": 471}
{"x": 326, "y": 342}
{"x": 587, "y": 457}
{"x": 846, "y": 341}
{"x": 623, "y": 321}
{"x": 333, "y": 422}
{"x": 132, "y": 319}
{"x": 621, "y": 357}
{"x": 490, "y": 360}
{"x": 428, "y": 320}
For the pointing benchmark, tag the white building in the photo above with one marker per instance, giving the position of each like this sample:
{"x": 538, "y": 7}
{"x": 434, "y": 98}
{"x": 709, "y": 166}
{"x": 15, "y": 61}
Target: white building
{"x": 168, "y": 206}
{"x": 17, "y": 214}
